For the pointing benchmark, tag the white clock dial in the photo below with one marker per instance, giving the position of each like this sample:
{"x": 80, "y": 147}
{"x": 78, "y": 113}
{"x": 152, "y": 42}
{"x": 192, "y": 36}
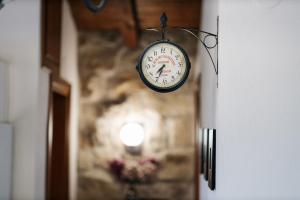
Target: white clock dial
{"x": 164, "y": 65}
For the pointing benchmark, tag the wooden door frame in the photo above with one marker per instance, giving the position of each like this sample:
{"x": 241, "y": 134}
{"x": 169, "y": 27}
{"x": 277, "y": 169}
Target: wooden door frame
{"x": 50, "y": 61}
{"x": 63, "y": 88}
{"x": 197, "y": 93}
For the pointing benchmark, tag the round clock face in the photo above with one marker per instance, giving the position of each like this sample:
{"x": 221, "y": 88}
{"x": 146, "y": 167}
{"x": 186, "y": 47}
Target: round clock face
{"x": 164, "y": 66}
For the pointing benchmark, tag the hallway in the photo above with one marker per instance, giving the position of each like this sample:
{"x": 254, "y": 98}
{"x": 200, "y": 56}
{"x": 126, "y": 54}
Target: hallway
{"x": 149, "y": 100}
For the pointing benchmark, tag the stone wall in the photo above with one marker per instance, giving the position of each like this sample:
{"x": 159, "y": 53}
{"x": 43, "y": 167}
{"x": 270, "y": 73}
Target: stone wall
{"x": 113, "y": 94}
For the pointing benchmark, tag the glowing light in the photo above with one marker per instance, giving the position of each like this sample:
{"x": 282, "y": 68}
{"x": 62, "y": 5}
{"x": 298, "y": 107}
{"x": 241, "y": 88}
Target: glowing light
{"x": 132, "y": 134}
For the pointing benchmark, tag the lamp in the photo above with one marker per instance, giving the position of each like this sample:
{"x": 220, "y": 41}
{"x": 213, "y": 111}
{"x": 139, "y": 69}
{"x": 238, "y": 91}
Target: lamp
{"x": 132, "y": 134}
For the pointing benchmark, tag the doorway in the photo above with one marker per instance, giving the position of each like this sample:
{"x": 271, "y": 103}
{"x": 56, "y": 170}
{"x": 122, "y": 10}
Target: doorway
{"x": 58, "y": 141}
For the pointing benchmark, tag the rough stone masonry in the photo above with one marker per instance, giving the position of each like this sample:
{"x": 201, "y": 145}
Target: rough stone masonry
{"x": 112, "y": 93}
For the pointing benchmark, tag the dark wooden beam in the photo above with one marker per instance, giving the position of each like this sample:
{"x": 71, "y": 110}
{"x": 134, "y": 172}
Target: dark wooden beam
{"x": 129, "y": 16}
{"x": 117, "y": 15}
{"x": 182, "y": 13}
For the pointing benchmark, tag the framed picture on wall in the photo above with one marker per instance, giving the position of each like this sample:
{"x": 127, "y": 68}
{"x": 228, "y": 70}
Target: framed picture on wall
{"x": 211, "y": 158}
{"x": 204, "y": 153}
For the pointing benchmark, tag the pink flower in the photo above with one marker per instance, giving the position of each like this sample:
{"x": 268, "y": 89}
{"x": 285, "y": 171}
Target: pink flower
{"x": 117, "y": 167}
{"x": 143, "y": 170}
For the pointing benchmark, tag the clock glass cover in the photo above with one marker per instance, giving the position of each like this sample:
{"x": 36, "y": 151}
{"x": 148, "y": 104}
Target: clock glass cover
{"x": 164, "y": 66}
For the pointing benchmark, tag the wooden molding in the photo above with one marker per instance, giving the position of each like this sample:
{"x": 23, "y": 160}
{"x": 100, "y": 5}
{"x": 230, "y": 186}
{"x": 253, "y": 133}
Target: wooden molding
{"x": 197, "y": 93}
{"x": 58, "y": 147}
{"x": 60, "y": 86}
{"x": 51, "y": 34}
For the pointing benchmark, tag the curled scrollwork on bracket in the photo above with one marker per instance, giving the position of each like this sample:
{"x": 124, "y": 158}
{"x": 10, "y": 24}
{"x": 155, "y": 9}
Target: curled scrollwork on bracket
{"x": 202, "y": 36}
{"x": 206, "y": 43}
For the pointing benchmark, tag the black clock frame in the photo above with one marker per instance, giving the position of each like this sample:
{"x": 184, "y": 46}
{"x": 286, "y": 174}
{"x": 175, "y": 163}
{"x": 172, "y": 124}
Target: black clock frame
{"x": 171, "y": 88}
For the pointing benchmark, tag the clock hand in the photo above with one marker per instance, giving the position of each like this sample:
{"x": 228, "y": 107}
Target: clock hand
{"x": 160, "y": 73}
{"x": 160, "y": 69}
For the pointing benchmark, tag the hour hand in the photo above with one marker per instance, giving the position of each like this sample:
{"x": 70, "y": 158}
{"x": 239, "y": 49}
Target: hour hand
{"x": 160, "y": 69}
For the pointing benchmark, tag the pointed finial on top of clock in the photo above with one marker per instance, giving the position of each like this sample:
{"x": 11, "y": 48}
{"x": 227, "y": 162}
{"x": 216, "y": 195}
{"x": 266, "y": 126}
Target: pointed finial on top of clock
{"x": 163, "y": 20}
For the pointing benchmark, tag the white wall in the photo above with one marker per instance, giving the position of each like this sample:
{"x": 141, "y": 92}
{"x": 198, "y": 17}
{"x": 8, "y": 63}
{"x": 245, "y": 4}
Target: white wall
{"x": 208, "y": 76}
{"x": 257, "y": 102}
{"x": 41, "y": 138}
{"x": 4, "y": 85}
{"x": 20, "y": 51}
{"x": 5, "y": 160}
{"x": 69, "y": 71}
{"x": 209, "y": 14}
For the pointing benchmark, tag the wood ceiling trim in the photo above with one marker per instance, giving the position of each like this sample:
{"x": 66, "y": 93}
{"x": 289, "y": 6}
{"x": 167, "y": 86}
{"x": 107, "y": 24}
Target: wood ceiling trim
{"x": 130, "y": 16}
{"x": 183, "y": 13}
{"x": 117, "y": 15}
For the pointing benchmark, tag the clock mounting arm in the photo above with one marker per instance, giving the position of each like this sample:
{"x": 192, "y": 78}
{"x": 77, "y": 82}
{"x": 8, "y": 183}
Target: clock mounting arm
{"x": 204, "y": 37}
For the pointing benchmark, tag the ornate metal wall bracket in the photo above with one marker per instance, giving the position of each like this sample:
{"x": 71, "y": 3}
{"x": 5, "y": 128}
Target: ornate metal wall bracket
{"x": 95, "y": 7}
{"x": 202, "y": 36}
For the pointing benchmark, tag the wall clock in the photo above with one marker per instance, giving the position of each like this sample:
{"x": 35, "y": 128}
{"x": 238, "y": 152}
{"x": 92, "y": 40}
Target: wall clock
{"x": 164, "y": 66}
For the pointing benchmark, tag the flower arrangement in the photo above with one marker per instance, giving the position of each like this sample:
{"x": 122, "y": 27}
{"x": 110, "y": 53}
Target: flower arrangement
{"x": 140, "y": 171}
